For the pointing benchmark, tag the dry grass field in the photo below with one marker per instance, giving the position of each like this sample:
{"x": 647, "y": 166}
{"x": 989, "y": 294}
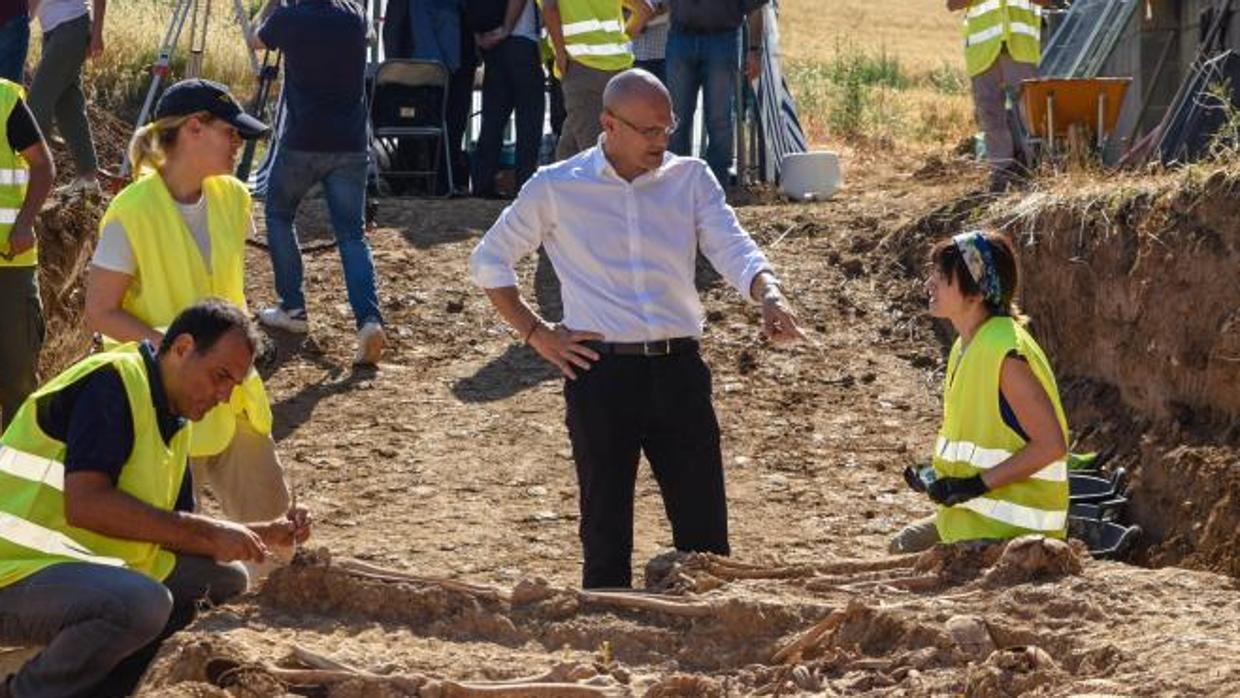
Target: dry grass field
{"x": 920, "y": 33}
{"x": 880, "y": 73}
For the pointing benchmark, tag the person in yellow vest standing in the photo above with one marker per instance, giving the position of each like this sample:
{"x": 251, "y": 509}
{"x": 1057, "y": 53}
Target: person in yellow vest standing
{"x": 173, "y": 237}
{"x": 100, "y": 555}
{"x": 999, "y": 460}
{"x": 1002, "y": 47}
{"x": 26, "y": 175}
{"x": 592, "y": 43}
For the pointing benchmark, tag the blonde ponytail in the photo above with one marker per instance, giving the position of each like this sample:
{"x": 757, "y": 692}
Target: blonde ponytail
{"x": 151, "y": 144}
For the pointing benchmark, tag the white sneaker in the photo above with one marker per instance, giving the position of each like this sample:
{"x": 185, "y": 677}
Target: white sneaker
{"x": 287, "y": 320}
{"x": 371, "y": 340}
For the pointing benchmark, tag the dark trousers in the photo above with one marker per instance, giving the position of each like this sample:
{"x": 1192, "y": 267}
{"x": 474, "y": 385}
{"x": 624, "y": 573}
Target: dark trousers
{"x": 661, "y": 406}
{"x": 101, "y": 626}
{"x": 555, "y": 99}
{"x": 513, "y": 80}
{"x": 460, "y": 101}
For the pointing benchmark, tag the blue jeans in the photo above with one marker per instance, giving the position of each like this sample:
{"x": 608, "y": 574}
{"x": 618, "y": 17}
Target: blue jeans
{"x": 100, "y": 625}
{"x": 708, "y": 62}
{"x": 343, "y": 176}
{"x": 14, "y": 43}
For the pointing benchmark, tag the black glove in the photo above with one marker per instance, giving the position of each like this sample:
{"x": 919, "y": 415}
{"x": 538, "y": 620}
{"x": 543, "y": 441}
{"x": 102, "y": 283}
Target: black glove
{"x": 913, "y": 479}
{"x": 950, "y": 491}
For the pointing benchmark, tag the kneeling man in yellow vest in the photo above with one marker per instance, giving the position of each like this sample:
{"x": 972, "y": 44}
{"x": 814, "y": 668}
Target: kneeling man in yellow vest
{"x": 999, "y": 460}
{"x": 101, "y": 557}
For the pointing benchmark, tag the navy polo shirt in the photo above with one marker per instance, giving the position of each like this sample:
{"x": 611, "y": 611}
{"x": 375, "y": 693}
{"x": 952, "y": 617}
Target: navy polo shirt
{"x": 324, "y": 44}
{"x": 92, "y": 418}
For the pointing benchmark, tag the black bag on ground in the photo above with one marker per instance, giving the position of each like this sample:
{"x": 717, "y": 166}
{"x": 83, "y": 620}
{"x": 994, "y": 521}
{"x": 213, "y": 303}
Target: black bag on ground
{"x": 481, "y": 16}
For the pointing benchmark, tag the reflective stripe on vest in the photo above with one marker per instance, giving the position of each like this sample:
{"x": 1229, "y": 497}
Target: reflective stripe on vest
{"x": 45, "y": 540}
{"x": 174, "y": 277}
{"x": 13, "y": 180}
{"x": 993, "y": 5}
{"x": 577, "y": 50}
{"x": 1013, "y": 514}
{"x": 987, "y": 458}
{"x": 974, "y": 439}
{"x": 1015, "y": 27}
{"x": 48, "y": 471}
{"x": 592, "y": 25}
{"x": 11, "y": 176}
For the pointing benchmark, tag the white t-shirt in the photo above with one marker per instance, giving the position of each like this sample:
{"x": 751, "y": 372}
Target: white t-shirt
{"x": 114, "y": 252}
{"x": 53, "y": 13}
{"x": 526, "y": 27}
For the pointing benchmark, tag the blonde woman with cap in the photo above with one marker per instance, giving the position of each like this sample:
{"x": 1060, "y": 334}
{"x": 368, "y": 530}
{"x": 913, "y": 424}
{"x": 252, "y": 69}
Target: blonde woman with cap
{"x": 999, "y": 468}
{"x": 173, "y": 237}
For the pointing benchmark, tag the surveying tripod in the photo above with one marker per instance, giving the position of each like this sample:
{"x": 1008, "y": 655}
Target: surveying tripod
{"x": 198, "y": 14}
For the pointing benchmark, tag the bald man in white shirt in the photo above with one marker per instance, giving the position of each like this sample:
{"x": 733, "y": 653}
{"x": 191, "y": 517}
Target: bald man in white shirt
{"x": 622, "y": 223}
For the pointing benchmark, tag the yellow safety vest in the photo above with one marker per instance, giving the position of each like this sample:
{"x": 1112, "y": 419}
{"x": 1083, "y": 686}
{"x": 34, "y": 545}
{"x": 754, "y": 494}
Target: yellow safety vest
{"x": 974, "y": 438}
{"x": 33, "y": 530}
{"x": 990, "y": 25}
{"x": 594, "y": 34}
{"x": 14, "y": 174}
{"x": 170, "y": 276}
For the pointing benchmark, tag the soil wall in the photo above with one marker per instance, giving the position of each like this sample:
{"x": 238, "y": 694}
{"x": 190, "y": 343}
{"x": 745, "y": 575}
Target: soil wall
{"x": 1135, "y": 292}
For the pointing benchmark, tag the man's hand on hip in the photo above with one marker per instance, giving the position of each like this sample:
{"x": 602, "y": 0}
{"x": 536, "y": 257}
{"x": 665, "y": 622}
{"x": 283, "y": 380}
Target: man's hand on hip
{"x": 563, "y": 347}
{"x": 779, "y": 323}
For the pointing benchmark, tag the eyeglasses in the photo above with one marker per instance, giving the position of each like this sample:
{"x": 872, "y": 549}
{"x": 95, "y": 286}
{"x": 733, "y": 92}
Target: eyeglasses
{"x": 650, "y": 132}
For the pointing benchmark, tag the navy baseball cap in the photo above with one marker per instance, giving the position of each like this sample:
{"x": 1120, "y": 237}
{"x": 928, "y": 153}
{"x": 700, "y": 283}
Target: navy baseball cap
{"x": 196, "y": 95}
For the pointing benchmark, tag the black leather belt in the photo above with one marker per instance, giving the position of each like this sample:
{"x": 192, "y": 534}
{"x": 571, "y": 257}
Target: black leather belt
{"x": 662, "y": 347}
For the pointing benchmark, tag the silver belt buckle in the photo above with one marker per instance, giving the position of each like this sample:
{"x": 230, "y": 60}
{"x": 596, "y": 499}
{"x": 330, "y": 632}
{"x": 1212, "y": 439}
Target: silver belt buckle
{"x": 667, "y": 348}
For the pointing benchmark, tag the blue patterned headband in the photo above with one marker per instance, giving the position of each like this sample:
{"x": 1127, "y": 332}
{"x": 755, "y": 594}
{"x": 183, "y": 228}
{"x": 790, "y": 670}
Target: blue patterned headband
{"x": 980, "y": 261}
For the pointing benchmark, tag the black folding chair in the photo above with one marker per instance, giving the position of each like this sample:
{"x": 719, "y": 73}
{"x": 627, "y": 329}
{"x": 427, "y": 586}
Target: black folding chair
{"x": 410, "y": 101}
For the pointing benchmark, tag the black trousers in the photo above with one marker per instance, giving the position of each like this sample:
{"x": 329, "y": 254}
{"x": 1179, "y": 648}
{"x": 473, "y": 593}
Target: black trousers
{"x": 460, "y": 101}
{"x": 620, "y": 408}
{"x": 513, "y": 80}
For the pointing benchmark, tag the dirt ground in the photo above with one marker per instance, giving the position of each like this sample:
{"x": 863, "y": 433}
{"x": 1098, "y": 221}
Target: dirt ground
{"x": 451, "y": 462}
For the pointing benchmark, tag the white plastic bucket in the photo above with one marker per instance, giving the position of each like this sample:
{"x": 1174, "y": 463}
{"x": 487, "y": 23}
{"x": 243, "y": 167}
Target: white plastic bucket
{"x": 810, "y": 176}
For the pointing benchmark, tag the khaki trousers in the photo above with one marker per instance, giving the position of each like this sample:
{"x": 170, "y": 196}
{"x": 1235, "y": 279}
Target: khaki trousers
{"x": 990, "y": 103}
{"x": 583, "y": 104}
{"x": 248, "y": 482}
{"x": 920, "y": 535}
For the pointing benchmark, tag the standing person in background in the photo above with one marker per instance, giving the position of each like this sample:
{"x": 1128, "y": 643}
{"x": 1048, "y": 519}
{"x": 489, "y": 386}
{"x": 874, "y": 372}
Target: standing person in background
{"x": 72, "y": 30}
{"x": 26, "y": 175}
{"x": 650, "y": 46}
{"x": 14, "y": 38}
{"x": 1002, "y": 47}
{"x": 324, "y": 44}
{"x": 512, "y": 79}
{"x": 592, "y": 44}
{"x": 703, "y": 54}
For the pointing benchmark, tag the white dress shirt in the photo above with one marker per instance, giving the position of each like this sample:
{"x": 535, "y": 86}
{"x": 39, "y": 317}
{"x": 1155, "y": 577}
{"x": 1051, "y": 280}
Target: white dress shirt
{"x": 624, "y": 251}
